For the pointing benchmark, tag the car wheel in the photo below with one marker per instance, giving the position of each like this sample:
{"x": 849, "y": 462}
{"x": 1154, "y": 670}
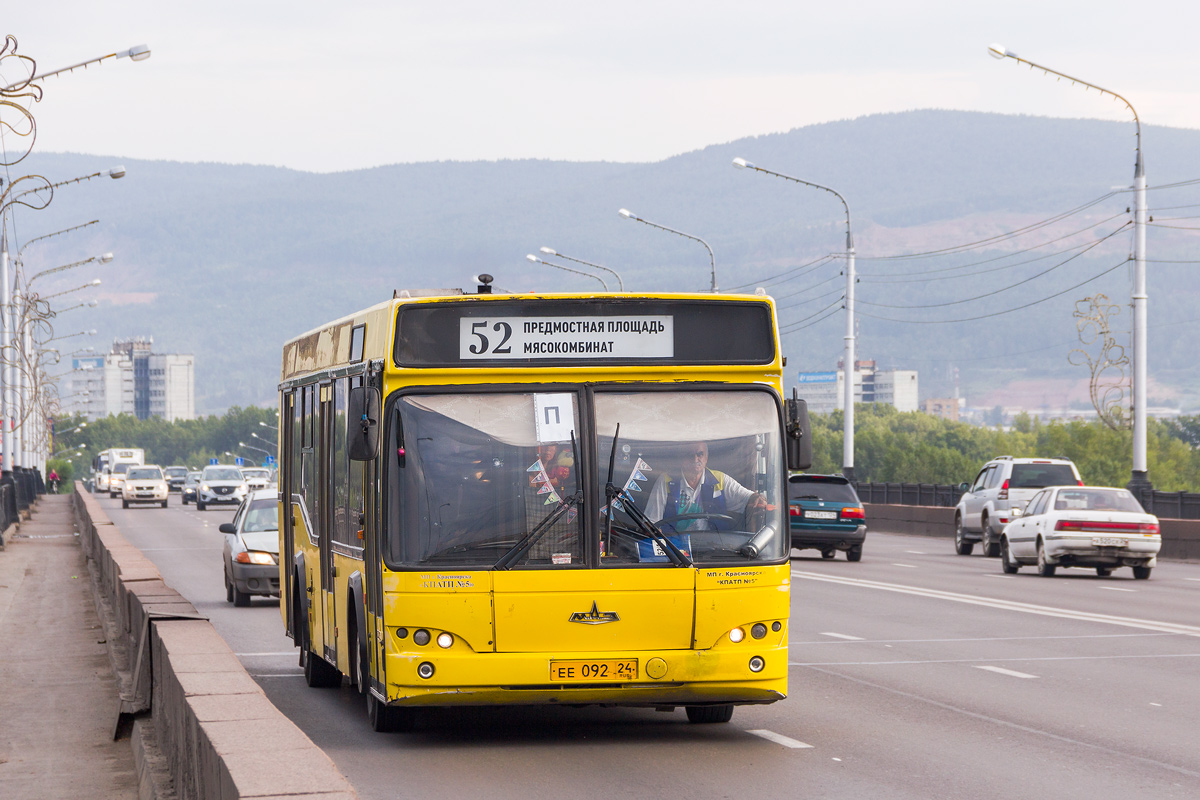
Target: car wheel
{"x": 319, "y": 673}
{"x": 854, "y": 553}
{"x": 1104, "y": 572}
{"x": 709, "y": 714}
{"x": 1007, "y": 563}
{"x": 124, "y": 504}
{"x": 228, "y": 590}
{"x": 990, "y": 549}
{"x": 1142, "y": 573}
{"x": 185, "y": 501}
{"x": 828, "y": 552}
{"x": 1045, "y": 569}
{"x": 164, "y": 503}
{"x": 961, "y": 545}
{"x": 199, "y": 505}
{"x": 240, "y": 599}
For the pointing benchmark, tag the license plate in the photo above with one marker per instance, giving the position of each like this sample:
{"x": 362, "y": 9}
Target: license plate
{"x": 1101, "y": 541}
{"x": 623, "y": 669}
{"x": 821, "y": 514}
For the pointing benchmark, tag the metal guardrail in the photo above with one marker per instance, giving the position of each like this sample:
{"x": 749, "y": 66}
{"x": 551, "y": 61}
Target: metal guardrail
{"x": 9, "y": 513}
{"x": 1169, "y": 505}
{"x": 909, "y": 494}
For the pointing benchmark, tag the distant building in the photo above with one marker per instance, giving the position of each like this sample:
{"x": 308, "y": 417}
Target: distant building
{"x": 944, "y": 407}
{"x": 825, "y": 391}
{"x": 134, "y": 380}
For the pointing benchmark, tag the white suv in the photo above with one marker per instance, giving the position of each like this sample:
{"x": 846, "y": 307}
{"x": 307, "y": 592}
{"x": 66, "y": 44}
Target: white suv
{"x": 999, "y": 494}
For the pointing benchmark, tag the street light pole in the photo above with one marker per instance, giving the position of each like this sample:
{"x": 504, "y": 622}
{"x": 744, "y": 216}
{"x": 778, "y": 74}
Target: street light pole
{"x": 1139, "y": 478}
{"x": 712, "y": 259}
{"x": 551, "y": 252}
{"x": 849, "y": 369}
{"x": 537, "y": 260}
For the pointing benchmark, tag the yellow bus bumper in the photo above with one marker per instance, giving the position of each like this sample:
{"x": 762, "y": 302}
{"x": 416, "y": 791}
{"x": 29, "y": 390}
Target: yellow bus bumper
{"x": 691, "y": 677}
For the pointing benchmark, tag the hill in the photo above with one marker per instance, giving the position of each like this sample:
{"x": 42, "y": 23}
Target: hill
{"x": 227, "y": 261}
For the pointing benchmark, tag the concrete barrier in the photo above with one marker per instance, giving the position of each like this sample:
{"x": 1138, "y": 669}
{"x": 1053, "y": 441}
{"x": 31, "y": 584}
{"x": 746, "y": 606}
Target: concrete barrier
{"x": 201, "y": 726}
{"x": 1181, "y": 537}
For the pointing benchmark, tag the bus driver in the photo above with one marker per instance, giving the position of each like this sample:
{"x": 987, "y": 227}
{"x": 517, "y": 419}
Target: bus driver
{"x": 699, "y": 490}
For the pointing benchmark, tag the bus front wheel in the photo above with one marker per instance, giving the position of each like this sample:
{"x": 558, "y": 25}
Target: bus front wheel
{"x": 388, "y": 719}
{"x": 709, "y": 714}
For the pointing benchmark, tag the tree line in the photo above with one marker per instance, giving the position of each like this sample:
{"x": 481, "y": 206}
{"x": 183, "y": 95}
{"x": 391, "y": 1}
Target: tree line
{"x": 890, "y": 446}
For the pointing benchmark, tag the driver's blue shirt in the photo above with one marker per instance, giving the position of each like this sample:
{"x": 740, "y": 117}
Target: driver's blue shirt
{"x": 717, "y": 493}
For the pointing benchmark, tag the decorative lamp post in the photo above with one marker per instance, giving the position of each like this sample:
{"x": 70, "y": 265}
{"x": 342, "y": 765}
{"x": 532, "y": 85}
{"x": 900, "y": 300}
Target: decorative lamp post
{"x": 1139, "y": 479}
{"x": 551, "y": 252}
{"x": 627, "y": 214}
{"x": 537, "y": 260}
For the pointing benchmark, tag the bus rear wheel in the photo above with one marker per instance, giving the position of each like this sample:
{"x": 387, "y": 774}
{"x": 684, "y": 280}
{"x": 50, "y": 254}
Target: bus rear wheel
{"x": 709, "y": 714}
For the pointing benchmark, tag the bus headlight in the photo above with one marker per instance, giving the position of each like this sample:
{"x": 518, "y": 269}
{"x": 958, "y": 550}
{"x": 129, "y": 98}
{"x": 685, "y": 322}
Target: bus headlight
{"x": 425, "y": 670}
{"x": 736, "y": 635}
{"x": 444, "y": 640}
{"x": 421, "y": 637}
{"x": 757, "y": 664}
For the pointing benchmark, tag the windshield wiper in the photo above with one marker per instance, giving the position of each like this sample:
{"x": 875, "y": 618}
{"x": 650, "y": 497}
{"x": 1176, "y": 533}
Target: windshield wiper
{"x": 643, "y": 523}
{"x": 527, "y": 541}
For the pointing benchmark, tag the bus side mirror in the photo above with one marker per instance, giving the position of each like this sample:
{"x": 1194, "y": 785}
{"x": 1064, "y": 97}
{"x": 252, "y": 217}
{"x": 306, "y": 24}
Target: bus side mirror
{"x": 362, "y": 423}
{"x": 799, "y": 434}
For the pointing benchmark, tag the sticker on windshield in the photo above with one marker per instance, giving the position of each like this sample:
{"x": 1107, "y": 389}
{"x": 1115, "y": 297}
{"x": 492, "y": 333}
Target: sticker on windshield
{"x": 554, "y": 417}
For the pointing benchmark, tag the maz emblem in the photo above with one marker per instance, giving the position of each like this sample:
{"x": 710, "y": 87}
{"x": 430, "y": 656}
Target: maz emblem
{"x": 594, "y": 617}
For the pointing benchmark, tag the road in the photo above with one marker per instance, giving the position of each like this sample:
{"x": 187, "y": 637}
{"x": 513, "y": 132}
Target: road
{"x": 915, "y": 673}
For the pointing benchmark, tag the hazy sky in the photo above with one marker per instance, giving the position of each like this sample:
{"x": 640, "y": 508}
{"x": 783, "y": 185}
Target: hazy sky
{"x": 327, "y": 86}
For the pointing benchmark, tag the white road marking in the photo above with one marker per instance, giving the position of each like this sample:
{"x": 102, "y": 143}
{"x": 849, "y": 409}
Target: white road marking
{"x": 291, "y": 653}
{"x": 1003, "y": 671}
{"x": 777, "y": 738}
{"x": 1117, "y": 589}
{"x": 1006, "y": 605}
{"x": 1192, "y": 579}
{"x": 973, "y": 660}
{"x": 845, "y": 636}
{"x": 1000, "y": 638}
{"x": 1157, "y": 704}
{"x": 276, "y": 674}
{"x": 909, "y": 566}
{"x": 916, "y": 552}
{"x": 997, "y": 575}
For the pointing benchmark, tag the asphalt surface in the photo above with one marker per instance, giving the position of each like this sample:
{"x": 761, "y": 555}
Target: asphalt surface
{"x": 916, "y": 673}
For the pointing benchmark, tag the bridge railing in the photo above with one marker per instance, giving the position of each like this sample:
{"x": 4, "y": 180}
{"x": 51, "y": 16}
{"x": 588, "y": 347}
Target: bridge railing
{"x": 1169, "y": 505}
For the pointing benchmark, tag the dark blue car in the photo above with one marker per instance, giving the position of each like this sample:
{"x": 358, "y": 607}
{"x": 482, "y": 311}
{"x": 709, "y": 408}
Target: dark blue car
{"x": 826, "y": 515}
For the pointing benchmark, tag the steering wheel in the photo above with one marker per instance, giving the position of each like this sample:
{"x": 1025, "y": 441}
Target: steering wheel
{"x": 703, "y": 515}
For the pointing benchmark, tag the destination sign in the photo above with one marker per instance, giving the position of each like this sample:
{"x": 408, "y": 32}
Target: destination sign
{"x": 522, "y": 338}
{"x": 553, "y": 331}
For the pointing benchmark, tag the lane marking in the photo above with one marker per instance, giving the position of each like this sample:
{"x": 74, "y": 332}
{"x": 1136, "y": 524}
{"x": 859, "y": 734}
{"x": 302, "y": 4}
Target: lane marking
{"x": 997, "y": 575}
{"x": 916, "y": 552}
{"x": 276, "y": 674}
{"x": 778, "y": 738}
{"x": 1116, "y": 754}
{"x": 1009, "y": 672}
{"x": 291, "y": 653}
{"x": 1117, "y": 589}
{"x": 1157, "y": 704}
{"x": 993, "y": 638}
{"x": 907, "y": 566}
{"x": 845, "y": 636}
{"x": 1192, "y": 579}
{"x": 974, "y": 660}
{"x": 1004, "y": 605}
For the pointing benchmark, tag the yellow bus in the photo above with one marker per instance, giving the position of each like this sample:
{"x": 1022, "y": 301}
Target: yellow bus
{"x": 493, "y": 499}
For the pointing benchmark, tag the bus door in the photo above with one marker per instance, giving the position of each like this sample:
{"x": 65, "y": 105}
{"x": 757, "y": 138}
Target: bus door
{"x": 364, "y": 503}
{"x": 286, "y": 481}
{"x": 323, "y": 517}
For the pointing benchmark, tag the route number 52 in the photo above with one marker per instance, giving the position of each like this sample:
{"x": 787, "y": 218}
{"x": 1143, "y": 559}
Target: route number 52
{"x": 480, "y": 343}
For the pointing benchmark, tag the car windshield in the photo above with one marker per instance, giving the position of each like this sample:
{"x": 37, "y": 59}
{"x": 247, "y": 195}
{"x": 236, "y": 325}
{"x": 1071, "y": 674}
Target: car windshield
{"x": 175, "y": 472}
{"x": 192, "y": 477}
{"x": 808, "y": 487}
{"x": 144, "y": 474}
{"x": 262, "y": 515}
{"x": 120, "y": 469}
{"x": 222, "y": 474}
{"x": 1096, "y": 500}
{"x": 1038, "y": 476}
{"x": 256, "y": 474}
{"x": 495, "y": 478}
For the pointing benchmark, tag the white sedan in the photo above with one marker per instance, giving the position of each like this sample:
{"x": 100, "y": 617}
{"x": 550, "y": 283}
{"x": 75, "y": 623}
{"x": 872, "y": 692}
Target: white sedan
{"x": 1082, "y": 526}
{"x": 144, "y": 485}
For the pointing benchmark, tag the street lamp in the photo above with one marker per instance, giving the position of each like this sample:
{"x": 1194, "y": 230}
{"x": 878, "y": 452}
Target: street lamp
{"x": 103, "y": 258}
{"x": 1139, "y": 478}
{"x": 550, "y": 252}
{"x": 850, "y": 369}
{"x": 89, "y": 304}
{"x": 252, "y": 447}
{"x": 139, "y": 52}
{"x": 92, "y": 332}
{"x": 537, "y": 260}
{"x": 89, "y": 284}
{"x": 265, "y": 441}
{"x": 627, "y": 214}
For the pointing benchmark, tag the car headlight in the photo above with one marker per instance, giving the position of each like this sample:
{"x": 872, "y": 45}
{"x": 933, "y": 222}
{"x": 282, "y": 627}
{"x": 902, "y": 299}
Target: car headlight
{"x": 255, "y": 557}
{"x": 204, "y": 487}
{"x": 242, "y": 488}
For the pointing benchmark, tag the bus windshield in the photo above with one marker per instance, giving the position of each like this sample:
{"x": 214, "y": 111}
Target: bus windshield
{"x": 484, "y": 475}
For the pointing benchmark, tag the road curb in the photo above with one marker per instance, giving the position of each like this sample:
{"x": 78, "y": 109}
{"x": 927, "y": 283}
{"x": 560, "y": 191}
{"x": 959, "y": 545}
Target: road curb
{"x": 189, "y": 706}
